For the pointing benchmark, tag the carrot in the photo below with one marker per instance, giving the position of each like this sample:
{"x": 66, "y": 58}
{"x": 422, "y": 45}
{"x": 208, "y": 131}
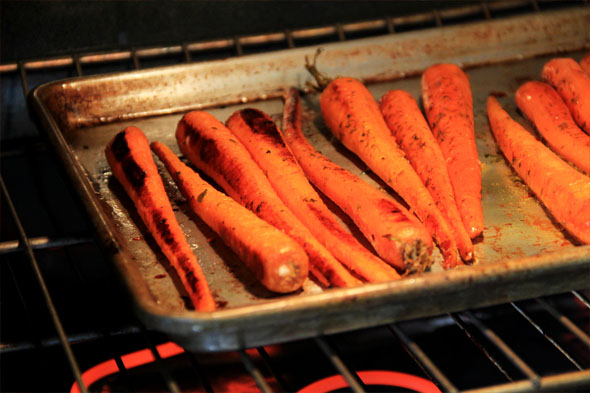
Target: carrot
{"x": 407, "y": 124}
{"x": 541, "y": 104}
{"x": 397, "y": 236}
{"x": 573, "y": 85}
{"x": 130, "y": 158}
{"x": 261, "y": 137}
{"x": 278, "y": 262}
{"x": 563, "y": 190}
{"x": 212, "y": 148}
{"x": 446, "y": 94}
{"x": 585, "y": 64}
{"x": 352, "y": 115}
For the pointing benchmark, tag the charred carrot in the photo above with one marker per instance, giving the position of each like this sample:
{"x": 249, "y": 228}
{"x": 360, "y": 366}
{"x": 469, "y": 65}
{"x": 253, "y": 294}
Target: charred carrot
{"x": 407, "y": 124}
{"x": 352, "y": 115}
{"x": 446, "y": 94}
{"x": 130, "y": 158}
{"x": 212, "y": 148}
{"x": 261, "y": 137}
{"x": 278, "y": 262}
{"x": 541, "y": 104}
{"x": 563, "y": 190}
{"x": 397, "y": 236}
{"x": 573, "y": 85}
{"x": 585, "y": 64}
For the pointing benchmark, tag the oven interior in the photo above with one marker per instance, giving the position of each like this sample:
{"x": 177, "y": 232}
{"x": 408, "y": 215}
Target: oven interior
{"x": 65, "y": 315}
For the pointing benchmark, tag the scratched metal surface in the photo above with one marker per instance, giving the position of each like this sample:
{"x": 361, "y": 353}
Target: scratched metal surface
{"x": 522, "y": 253}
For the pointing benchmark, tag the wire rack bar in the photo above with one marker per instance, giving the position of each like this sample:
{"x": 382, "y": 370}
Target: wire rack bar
{"x": 289, "y": 39}
{"x": 581, "y": 298}
{"x": 186, "y": 53}
{"x": 76, "y": 60}
{"x": 263, "y": 39}
{"x": 199, "y": 370}
{"x": 389, "y": 25}
{"x": 479, "y": 345}
{"x": 23, "y": 78}
{"x": 41, "y": 281}
{"x": 254, "y": 372}
{"x": 72, "y": 339}
{"x": 486, "y": 10}
{"x": 351, "y": 378}
{"x": 135, "y": 58}
{"x": 35, "y": 342}
{"x": 160, "y": 364}
{"x": 423, "y": 360}
{"x": 565, "y": 321}
{"x": 365, "y": 26}
{"x": 547, "y": 336}
{"x": 570, "y": 381}
{"x": 340, "y": 32}
{"x": 239, "y": 48}
{"x": 437, "y": 18}
{"x": 19, "y": 147}
{"x": 42, "y": 243}
{"x": 285, "y": 387}
{"x": 504, "y": 348}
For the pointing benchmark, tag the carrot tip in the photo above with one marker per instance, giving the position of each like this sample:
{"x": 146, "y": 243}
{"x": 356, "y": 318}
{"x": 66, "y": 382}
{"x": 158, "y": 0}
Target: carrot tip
{"x": 468, "y": 258}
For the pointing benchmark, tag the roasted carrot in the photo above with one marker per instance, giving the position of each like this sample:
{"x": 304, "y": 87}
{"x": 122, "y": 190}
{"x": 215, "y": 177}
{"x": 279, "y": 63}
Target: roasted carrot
{"x": 395, "y": 233}
{"x": 352, "y": 115}
{"x": 412, "y": 134}
{"x": 212, "y": 148}
{"x": 585, "y": 64}
{"x": 573, "y": 85}
{"x": 261, "y": 137}
{"x": 563, "y": 190}
{"x": 541, "y": 104}
{"x": 446, "y": 94}
{"x": 130, "y": 158}
{"x": 278, "y": 262}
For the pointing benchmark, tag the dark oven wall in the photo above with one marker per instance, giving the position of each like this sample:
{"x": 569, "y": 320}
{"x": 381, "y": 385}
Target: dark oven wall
{"x": 39, "y": 28}
{"x": 66, "y": 317}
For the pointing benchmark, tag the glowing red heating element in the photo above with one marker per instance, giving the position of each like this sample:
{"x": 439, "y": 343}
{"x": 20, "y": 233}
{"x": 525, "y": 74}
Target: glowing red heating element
{"x": 130, "y": 360}
{"x": 325, "y": 385}
{"x": 374, "y": 378}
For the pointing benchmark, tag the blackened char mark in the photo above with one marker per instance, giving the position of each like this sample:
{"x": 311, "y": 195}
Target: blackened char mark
{"x": 119, "y": 147}
{"x": 163, "y": 228}
{"x": 134, "y": 173}
{"x": 208, "y": 150}
{"x": 207, "y": 147}
{"x": 184, "y": 261}
{"x": 211, "y": 155}
{"x": 187, "y": 269}
{"x": 261, "y": 124}
{"x": 392, "y": 210}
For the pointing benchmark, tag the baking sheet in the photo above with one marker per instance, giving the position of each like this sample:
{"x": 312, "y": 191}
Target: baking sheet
{"x": 522, "y": 253}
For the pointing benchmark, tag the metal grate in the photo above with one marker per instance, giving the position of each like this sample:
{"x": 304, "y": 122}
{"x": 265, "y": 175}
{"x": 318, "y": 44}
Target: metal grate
{"x": 61, "y": 303}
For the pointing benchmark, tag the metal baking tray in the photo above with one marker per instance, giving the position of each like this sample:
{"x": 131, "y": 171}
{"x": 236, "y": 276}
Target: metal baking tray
{"x": 523, "y": 252}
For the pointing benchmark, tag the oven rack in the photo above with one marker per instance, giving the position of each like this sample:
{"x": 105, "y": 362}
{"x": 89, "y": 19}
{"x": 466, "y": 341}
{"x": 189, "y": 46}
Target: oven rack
{"x": 67, "y": 247}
